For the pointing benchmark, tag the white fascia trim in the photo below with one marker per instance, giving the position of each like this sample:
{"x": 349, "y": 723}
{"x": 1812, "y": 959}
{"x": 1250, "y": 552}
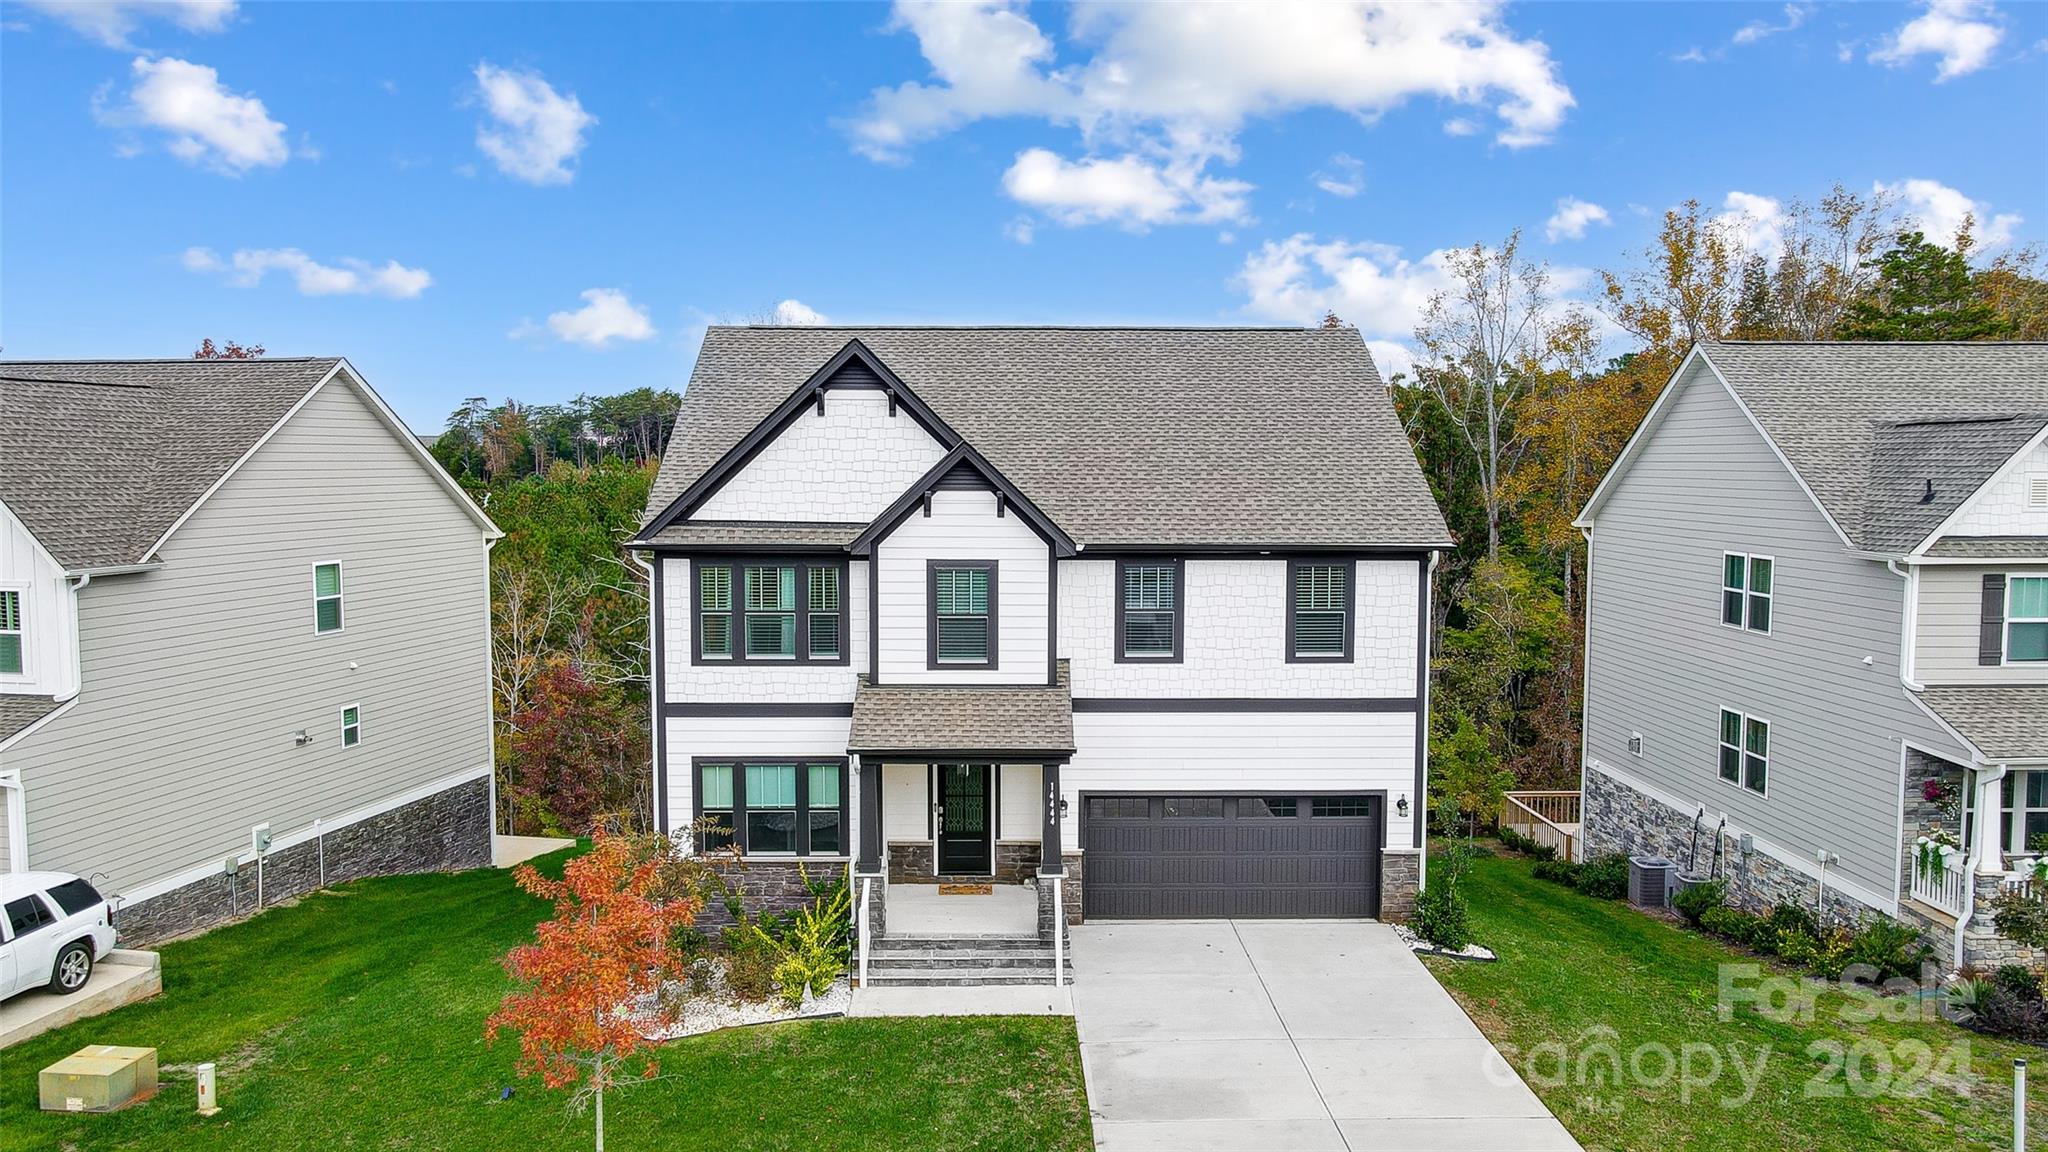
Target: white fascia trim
{"x": 1630, "y": 450}
{"x": 1801, "y": 863}
{"x": 2006, "y": 469}
{"x": 17, "y": 821}
{"x": 1973, "y": 561}
{"x": 46, "y": 718}
{"x": 384, "y": 414}
{"x": 155, "y": 888}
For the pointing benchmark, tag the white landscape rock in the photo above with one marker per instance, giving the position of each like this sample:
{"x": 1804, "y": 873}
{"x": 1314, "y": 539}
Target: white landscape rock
{"x": 1418, "y": 944}
{"x": 711, "y": 1007}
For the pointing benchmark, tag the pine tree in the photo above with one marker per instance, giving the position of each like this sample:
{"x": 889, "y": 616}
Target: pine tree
{"x": 1924, "y": 292}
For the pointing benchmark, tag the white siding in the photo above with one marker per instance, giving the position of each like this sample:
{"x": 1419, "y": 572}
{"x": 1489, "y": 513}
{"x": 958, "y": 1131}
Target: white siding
{"x": 2003, "y": 508}
{"x": 906, "y": 801}
{"x": 1017, "y": 803}
{"x": 198, "y": 674}
{"x": 751, "y": 737}
{"x": 786, "y": 682}
{"x": 46, "y": 607}
{"x": 1235, "y": 634}
{"x": 1243, "y": 752}
{"x": 1951, "y": 606}
{"x": 840, "y": 468}
{"x": 1660, "y": 661}
{"x": 964, "y": 526}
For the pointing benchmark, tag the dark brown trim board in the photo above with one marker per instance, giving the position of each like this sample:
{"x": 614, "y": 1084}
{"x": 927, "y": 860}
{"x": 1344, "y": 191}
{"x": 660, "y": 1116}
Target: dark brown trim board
{"x": 757, "y": 708}
{"x": 1420, "y": 804}
{"x": 659, "y": 657}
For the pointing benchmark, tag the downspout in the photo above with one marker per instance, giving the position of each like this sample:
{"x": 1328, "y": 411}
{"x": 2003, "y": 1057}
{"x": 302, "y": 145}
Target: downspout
{"x": 1909, "y": 622}
{"x": 655, "y": 659}
{"x": 76, "y": 682}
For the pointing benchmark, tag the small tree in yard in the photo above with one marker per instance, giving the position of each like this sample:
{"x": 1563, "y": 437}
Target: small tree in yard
{"x": 583, "y": 982}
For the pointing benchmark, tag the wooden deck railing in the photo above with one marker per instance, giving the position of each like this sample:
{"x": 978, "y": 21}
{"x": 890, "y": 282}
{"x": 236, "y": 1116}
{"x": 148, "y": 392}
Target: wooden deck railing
{"x": 1549, "y": 818}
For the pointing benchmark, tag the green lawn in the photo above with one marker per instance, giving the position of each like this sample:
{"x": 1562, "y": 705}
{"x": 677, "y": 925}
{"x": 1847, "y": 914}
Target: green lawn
{"x": 355, "y": 1020}
{"x": 1570, "y": 966}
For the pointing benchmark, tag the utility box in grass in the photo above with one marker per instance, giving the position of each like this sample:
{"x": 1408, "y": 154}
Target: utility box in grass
{"x": 100, "y": 1078}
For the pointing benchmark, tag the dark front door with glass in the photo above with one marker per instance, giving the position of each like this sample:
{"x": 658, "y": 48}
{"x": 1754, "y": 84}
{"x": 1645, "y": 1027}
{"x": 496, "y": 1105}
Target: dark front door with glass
{"x": 964, "y": 819}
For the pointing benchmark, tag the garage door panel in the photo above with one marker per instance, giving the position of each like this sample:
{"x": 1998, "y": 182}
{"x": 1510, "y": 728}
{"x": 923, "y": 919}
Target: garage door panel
{"x": 1205, "y": 856}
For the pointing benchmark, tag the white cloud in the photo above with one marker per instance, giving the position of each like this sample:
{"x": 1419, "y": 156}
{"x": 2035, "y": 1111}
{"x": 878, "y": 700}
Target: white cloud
{"x": 536, "y": 132}
{"x": 1693, "y": 55}
{"x": 606, "y": 315}
{"x": 204, "y": 121}
{"x": 1571, "y": 219}
{"x": 1940, "y": 211}
{"x": 1021, "y": 229}
{"x": 351, "y": 277}
{"x": 1129, "y": 190}
{"x": 1755, "y": 30}
{"x": 1459, "y": 126}
{"x": 1962, "y": 33}
{"x": 114, "y": 22}
{"x": 1756, "y": 221}
{"x": 1349, "y": 179}
{"x": 1164, "y": 89}
{"x": 797, "y": 314}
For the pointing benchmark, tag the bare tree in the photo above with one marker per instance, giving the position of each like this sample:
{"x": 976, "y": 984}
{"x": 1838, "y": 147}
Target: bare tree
{"x": 1489, "y": 344}
{"x": 526, "y": 609}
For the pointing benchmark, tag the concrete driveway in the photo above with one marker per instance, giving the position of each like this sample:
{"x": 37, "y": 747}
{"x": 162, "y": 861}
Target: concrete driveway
{"x": 1286, "y": 1034}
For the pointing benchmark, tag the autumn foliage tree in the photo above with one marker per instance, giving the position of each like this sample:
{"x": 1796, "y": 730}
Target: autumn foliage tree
{"x": 227, "y": 350}
{"x": 592, "y": 984}
{"x": 576, "y": 749}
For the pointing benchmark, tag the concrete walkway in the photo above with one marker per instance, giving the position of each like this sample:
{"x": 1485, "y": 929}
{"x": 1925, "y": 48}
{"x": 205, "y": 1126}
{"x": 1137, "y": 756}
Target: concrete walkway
{"x": 122, "y": 977}
{"x": 1306, "y": 1035}
{"x": 511, "y": 851}
{"x": 979, "y": 1000}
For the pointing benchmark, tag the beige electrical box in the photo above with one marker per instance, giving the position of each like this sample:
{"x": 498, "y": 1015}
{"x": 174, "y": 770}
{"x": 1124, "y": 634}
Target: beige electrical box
{"x": 101, "y": 1078}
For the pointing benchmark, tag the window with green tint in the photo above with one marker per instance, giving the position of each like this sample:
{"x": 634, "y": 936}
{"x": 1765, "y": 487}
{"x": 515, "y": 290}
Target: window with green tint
{"x": 1734, "y": 570}
{"x": 1760, "y": 593}
{"x": 961, "y": 616}
{"x": 1746, "y": 583}
{"x": 2026, "y": 619}
{"x": 1731, "y": 746}
{"x": 327, "y": 598}
{"x": 828, "y": 837}
{"x": 1756, "y": 755}
{"x": 714, "y": 795}
{"x": 11, "y": 640}
{"x": 822, "y": 606}
{"x": 771, "y": 613}
{"x": 1322, "y": 601}
{"x": 771, "y": 807}
{"x": 714, "y": 607}
{"x": 351, "y": 727}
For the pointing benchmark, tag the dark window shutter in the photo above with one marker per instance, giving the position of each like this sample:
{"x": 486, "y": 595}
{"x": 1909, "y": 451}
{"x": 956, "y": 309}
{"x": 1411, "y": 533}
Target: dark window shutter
{"x": 1991, "y": 624}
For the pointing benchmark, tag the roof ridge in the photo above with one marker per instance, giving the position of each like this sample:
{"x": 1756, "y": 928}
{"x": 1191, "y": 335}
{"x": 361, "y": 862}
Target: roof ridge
{"x": 175, "y": 360}
{"x": 1030, "y": 327}
{"x": 1886, "y": 343}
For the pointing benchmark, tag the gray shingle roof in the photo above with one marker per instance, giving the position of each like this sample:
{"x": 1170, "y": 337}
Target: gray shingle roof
{"x": 1991, "y": 547}
{"x": 2003, "y": 721}
{"x": 99, "y": 458}
{"x": 751, "y": 532}
{"x": 994, "y": 719}
{"x": 1263, "y": 436}
{"x": 18, "y": 712}
{"x": 1868, "y": 425}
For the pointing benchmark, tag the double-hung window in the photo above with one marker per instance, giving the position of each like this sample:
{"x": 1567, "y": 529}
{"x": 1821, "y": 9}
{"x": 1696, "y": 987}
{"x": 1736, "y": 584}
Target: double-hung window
{"x": 351, "y": 726}
{"x": 1745, "y": 751}
{"x": 11, "y": 637}
{"x": 327, "y": 598}
{"x": 773, "y": 807}
{"x": 962, "y": 627}
{"x": 1148, "y": 610}
{"x": 2026, "y": 619}
{"x": 750, "y": 611}
{"x": 1319, "y": 605}
{"x": 1746, "y": 591}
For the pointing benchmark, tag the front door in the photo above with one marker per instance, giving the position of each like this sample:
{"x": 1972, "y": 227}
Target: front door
{"x": 965, "y": 845}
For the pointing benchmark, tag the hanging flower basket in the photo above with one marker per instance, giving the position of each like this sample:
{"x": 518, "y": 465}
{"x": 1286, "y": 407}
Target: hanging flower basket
{"x": 1934, "y": 854}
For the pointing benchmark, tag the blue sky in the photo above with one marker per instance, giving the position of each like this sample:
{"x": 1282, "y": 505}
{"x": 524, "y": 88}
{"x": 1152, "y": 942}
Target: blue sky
{"x": 539, "y": 200}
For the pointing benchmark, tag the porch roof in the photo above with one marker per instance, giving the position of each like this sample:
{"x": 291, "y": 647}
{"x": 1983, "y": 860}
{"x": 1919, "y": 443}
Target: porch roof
{"x": 2002, "y": 721}
{"x": 992, "y": 720}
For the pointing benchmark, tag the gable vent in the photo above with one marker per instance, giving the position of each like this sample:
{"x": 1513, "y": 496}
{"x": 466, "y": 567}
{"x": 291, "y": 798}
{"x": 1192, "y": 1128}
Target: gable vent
{"x": 854, "y": 374}
{"x": 962, "y": 477}
{"x": 2037, "y": 491}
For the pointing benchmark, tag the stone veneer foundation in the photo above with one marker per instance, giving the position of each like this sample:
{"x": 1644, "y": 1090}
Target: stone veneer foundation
{"x": 1618, "y": 818}
{"x": 771, "y": 885}
{"x": 1400, "y": 876}
{"x": 447, "y": 831}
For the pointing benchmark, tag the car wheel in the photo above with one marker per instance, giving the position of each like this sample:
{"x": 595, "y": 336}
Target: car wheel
{"x": 73, "y": 969}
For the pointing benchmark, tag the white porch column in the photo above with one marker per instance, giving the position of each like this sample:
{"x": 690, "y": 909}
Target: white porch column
{"x": 1984, "y": 851}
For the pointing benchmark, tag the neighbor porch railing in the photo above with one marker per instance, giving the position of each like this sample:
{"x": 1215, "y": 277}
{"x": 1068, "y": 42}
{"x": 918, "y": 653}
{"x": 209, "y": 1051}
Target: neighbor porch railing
{"x": 1949, "y": 889}
{"x": 1549, "y": 818}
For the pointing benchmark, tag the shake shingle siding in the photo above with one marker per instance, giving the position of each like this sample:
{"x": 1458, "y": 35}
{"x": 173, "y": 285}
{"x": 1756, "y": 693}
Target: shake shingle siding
{"x": 1660, "y": 662}
{"x": 197, "y": 674}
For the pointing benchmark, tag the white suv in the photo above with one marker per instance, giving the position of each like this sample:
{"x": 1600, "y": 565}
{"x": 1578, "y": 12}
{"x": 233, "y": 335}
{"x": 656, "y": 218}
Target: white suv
{"x": 53, "y": 926}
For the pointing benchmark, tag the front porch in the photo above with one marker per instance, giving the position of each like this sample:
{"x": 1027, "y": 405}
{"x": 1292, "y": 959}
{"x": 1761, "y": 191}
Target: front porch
{"x": 1956, "y": 864}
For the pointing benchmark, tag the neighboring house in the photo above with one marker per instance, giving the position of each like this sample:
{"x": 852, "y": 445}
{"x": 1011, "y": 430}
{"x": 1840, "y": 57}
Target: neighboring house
{"x": 1818, "y": 624}
{"x": 1000, "y": 603}
{"x": 235, "y": 596}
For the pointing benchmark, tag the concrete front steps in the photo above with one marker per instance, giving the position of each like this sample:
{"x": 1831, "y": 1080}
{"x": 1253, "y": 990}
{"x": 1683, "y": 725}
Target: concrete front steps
{"x": 961, "y": 961}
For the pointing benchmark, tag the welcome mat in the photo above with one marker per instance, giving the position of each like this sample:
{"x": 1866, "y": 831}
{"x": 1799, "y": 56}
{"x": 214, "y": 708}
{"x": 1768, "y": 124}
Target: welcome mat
{"x": 967, "y": 889}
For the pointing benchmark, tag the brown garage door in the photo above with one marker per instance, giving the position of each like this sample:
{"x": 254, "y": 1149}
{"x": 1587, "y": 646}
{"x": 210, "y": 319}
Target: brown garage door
{"x": 1239, "y": 856}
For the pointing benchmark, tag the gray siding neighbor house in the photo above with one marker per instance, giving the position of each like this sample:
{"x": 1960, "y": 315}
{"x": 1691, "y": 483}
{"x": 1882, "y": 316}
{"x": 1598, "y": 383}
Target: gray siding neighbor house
{"x": 1817, "y": 634}
{"x": 237, "y": 599}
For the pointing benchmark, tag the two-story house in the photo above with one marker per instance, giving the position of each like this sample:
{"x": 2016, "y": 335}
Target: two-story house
{"x": 244, "y": 637}
{"x": 1015, "y": 604}
{"x": 1818, "y": 629}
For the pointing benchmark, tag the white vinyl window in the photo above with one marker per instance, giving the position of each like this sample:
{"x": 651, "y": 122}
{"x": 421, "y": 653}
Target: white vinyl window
{"x": 2026, "y": 620}
{"x": 351, "y": 726}
{"x": 12, "y": 642}
{"x": 327, "y": 598}
{"x": 1746, "y": 584}
{"x": 1745, "y": 751}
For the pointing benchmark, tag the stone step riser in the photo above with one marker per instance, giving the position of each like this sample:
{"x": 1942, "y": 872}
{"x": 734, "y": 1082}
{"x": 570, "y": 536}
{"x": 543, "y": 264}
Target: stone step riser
{"x": 959, "y": 944}
{"x": 960, "y": 979}
{"x": 902, "y": 963}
